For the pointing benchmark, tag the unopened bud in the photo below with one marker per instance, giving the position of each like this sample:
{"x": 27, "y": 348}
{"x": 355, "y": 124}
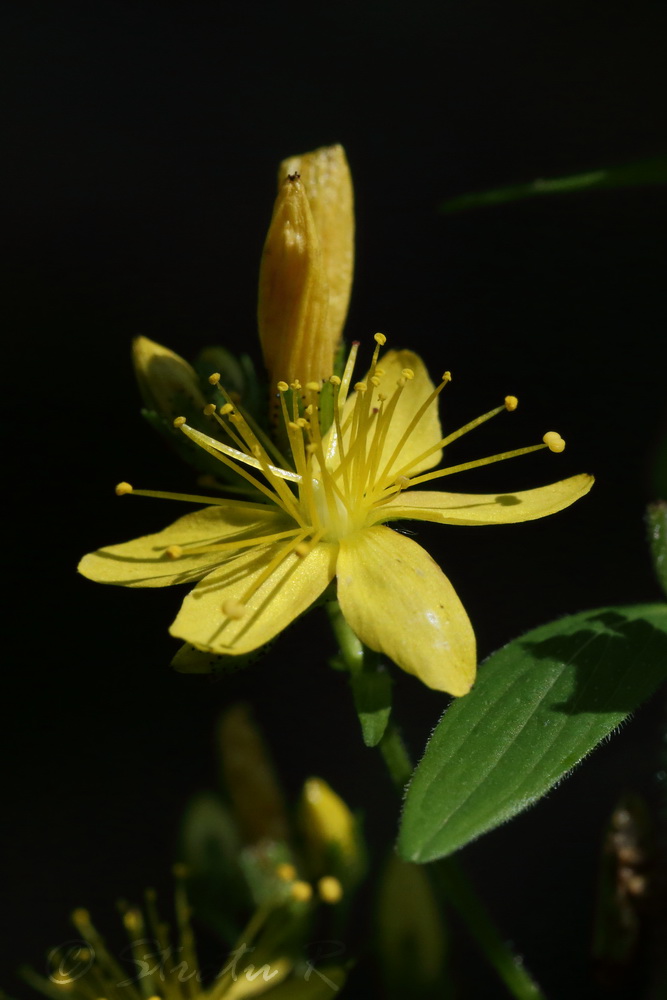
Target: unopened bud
{"x": 250, "y": 779}
{"x": 411, "y": 934}
{"x": 325, "y": 175}
{"x": 168, "y": 384}
{"x": 330, "y": 831}
{"x": 306, "y": 270}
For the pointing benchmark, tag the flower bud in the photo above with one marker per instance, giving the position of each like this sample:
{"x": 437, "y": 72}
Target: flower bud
{"x": 326, "y": 177}
{"x": 168, "y": 384}
{"x": 306, "y": 270}
{"x": 411, "y": 934}
{"x": 330, "y": 831}
{"x": 249, "y": 777}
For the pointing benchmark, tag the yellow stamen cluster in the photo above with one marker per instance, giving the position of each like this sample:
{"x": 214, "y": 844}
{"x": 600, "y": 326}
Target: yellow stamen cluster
{"x": 334, "y": 482}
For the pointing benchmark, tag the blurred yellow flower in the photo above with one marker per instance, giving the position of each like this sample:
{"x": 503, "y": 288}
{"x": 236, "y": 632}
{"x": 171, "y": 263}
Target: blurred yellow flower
{"x": 265, "y": 959}
{"x": 260, "y": 565}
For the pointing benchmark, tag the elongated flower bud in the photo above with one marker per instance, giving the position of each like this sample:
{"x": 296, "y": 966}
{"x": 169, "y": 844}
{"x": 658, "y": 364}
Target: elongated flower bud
{"x": 306, "y": 270}
{"x": 257, "y": 800}
{"x": 411, "y": 935}
{"x": 326, "y": 177}
{"x": 330, "y": 832}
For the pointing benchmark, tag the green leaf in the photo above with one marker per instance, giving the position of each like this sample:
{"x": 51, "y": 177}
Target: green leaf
{"x": 539, "y": 706}
{"x": 371, "y": 690}
{"x": 656, "y": 516}
{"x": 639, "y": 174}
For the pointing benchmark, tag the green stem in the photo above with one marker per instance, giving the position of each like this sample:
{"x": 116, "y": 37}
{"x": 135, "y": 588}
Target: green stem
{"x": 447, "y": 873}
{"x": 461, "y": 895}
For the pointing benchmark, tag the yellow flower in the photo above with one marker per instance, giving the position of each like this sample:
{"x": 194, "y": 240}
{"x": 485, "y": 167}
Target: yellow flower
{"x": 265, "y": 959}
{"x": 260, "y": 565}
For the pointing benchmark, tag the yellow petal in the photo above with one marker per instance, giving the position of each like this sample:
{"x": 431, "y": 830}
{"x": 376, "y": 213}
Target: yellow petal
{"x": 144, "y": 562}
{"x": 480, "y": 508}
{"x": 399, "y": 602}
{"x": 328, "y": 184}
{"x": 426, "y": 431}
{"x": 291, "y": 588}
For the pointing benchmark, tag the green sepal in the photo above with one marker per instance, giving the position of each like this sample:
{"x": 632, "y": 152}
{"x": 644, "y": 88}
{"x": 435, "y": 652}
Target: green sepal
{"x": 656, "y": 519}
{"x": 258, "y": 863}
{"x": 371, "y": 690}
{"x": 237, "y": 376}
{"x": 191, "y": 453}
{"x": 190, "y": 660}
{"x": 539, "y": 706}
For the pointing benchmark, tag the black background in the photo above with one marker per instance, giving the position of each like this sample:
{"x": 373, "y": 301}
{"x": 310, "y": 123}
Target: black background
{"x": 142, "y": 142}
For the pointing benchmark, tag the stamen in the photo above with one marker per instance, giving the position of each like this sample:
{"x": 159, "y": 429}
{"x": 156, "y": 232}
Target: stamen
{"x": 301, "y": 892}
{"x": 174, "y": 552}
{"x": 123, "y": 488}
{"x": 214, "y": 378}
{"x": 511, "y": 403}
{"x": 554, "y": 441}
{"x": 329, "y": 889}
{"x": 474, "y": 465}
{"x": 286, "y": 872}
{"x": 380, "y": 339}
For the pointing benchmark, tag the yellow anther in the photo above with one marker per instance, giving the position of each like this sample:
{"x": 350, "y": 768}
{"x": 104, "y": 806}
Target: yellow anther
{"x": 282, "y": 387}
{"x": 554, "y": 441}
{"x": 233, "y": 609}
{"x": 293, "y": 426}
{"x": 214, "y": 378}
{"x": 360, "y": 386}
{"x": 286, "y": 872}
{"x": 132, "y": 921}
{"x": 311, "y": 448}
{"x": 179, "y": 421}
{"x": 173, "y": 552}
{"x": 295, "y": 384}
{"x": 446, "y": 376}
{"x": 301, "y": 892}
{"x": 302, "y": 423}
{"x": 511, "y": 403}
{"x": 408, "y": 373}
{"x": 209, "y": 409}
{"x": 381, "y": 397}
{"x": 380, "y": 339}
{"x": 334, "y": 380}
{"x": 309, "y": 410}
{"x": 313, "y": 386}
{"x": 123, "y": 488}
{"x": 226, "y": 409}
{"x": 329, "y": 889}
{"x": 402, "y": 482}
{"x": 375, "y": 380}
{"x": 379, "y": 371}
{"x": 302, "y": 549}
{"x": 80, "y": 917}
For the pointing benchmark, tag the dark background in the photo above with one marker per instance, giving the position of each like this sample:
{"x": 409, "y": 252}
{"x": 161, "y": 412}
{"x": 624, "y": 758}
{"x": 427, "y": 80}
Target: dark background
{"x": 142, "y": 141}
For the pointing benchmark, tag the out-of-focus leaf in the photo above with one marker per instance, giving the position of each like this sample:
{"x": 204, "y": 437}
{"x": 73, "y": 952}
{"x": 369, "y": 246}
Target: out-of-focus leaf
{"x": 640, "y": 174}
{"x": 656, "y": 516}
